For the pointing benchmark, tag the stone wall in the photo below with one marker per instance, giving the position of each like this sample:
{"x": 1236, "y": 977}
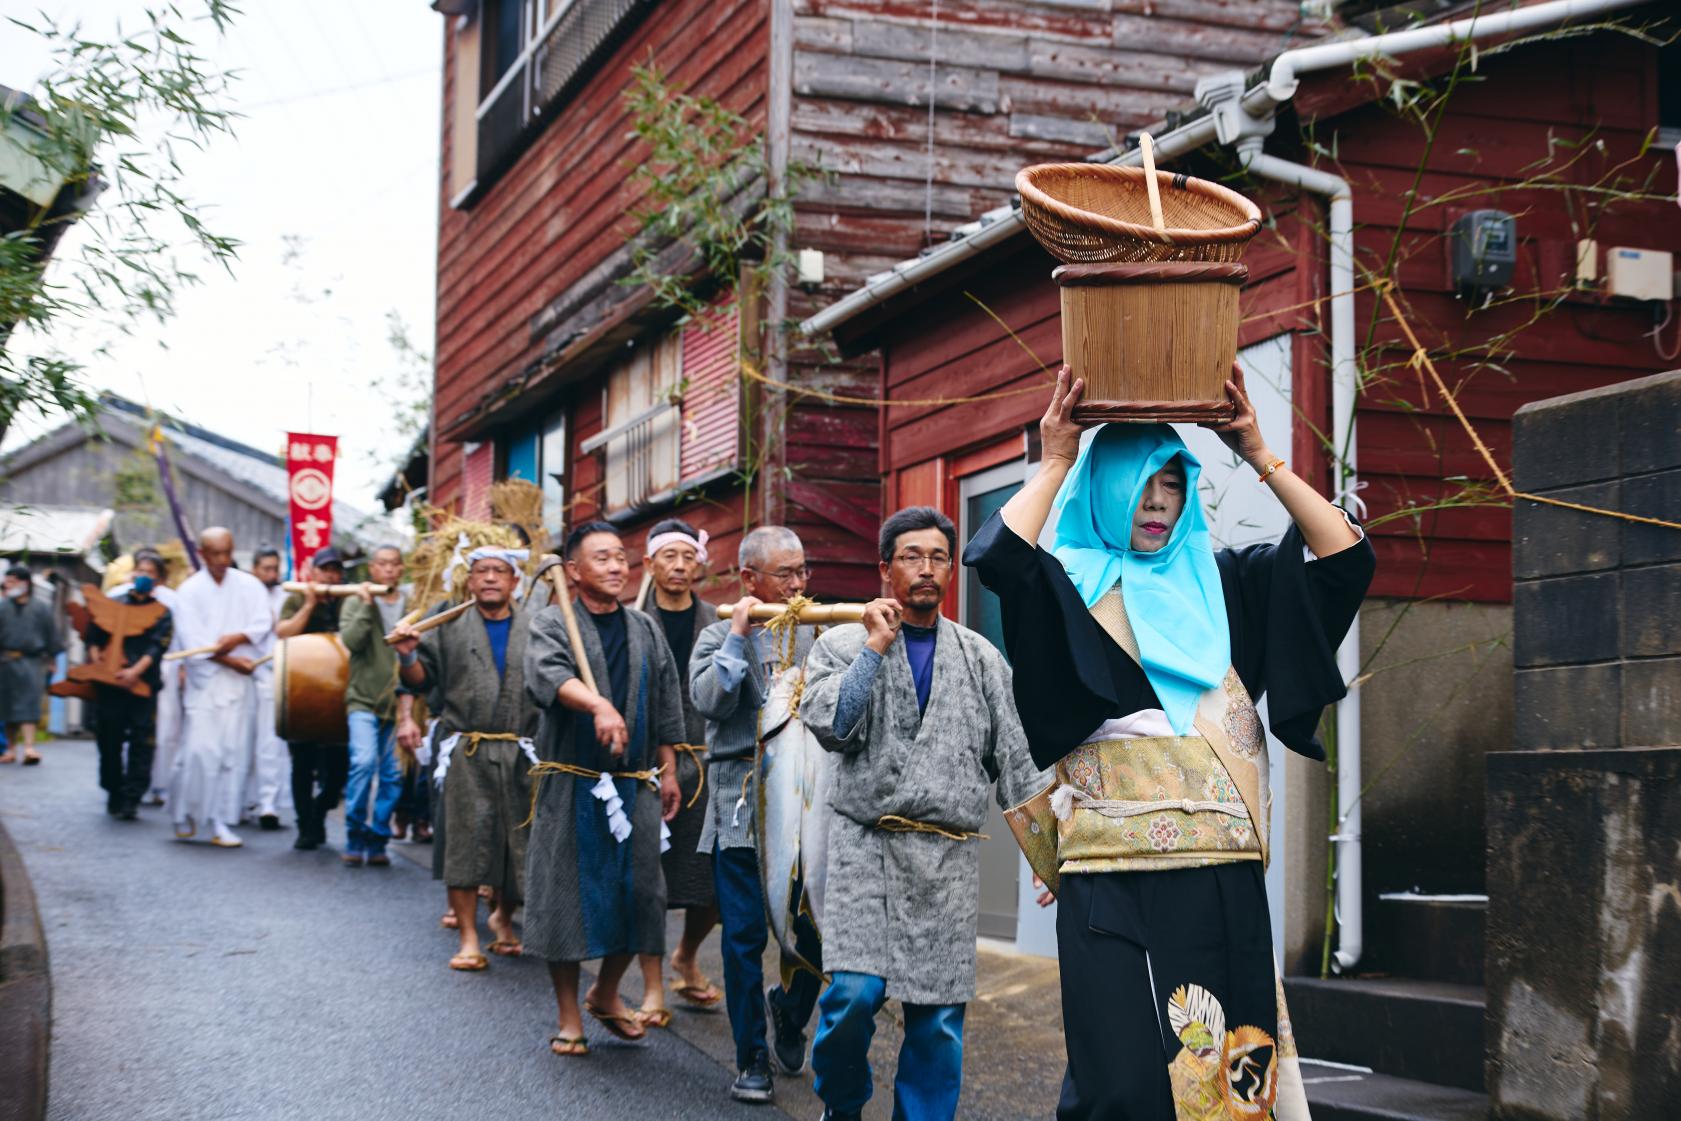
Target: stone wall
{"x": 1584, "y": 817}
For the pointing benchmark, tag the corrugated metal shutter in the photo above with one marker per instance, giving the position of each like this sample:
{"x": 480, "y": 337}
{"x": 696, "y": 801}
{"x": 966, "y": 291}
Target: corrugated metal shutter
{"x": 712, "y": 393}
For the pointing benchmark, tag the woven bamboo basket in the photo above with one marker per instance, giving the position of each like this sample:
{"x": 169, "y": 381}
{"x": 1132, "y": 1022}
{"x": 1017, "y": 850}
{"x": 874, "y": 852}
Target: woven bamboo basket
{"x": 1091, "y": 213}
{"x": 1150, "y": 284}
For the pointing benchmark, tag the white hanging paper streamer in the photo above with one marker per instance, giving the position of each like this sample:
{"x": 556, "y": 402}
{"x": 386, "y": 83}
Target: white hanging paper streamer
{"x": 459, "y": 556}
{"x": 423, "y": 753}
{"x": 445, "y": 751}
{"x": 617, "y": 823}
{"x": 665, "y": 838}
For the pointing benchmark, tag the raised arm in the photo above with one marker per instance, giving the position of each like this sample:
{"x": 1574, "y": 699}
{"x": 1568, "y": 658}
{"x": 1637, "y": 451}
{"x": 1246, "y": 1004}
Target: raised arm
{"x": 1059, "y": 440}
{"x": 1324, "y": 529}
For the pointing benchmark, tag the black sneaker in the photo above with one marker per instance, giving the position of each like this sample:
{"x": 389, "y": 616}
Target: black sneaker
{"x": 306, "y": 842}
{"x": 269, "y": 823}
{"x": 129, "y": 811}
{"x": 834, "y": 1115}
{"x": 787, "y": 1041}
{"x": 113, "y": 804}
{"x": 753, "y": 1084}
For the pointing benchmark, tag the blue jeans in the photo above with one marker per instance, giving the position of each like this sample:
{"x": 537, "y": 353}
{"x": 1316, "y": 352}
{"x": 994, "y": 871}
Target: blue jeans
{"x": 373, "y": 749}
{"x": 741, "y": 913}
{"x": 930, "y": 1074}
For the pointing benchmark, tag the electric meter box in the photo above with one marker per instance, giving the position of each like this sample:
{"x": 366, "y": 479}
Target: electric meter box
{"x": 1639, "y": 274}
{"x": 1485, "y": 249}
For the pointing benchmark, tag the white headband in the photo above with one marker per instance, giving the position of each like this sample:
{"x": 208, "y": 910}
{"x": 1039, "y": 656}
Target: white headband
{"x": 513, "y": 558}
{"x": 678, "y": 537}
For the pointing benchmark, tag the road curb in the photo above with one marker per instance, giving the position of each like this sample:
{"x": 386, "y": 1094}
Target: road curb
{"x": 25, "y": 992}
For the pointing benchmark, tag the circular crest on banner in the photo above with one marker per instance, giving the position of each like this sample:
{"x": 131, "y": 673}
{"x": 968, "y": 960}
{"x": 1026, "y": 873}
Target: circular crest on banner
{"x": 311, "y": 488}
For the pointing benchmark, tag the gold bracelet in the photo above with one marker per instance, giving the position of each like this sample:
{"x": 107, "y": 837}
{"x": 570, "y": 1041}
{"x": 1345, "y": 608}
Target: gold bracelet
{"x": 1271, "y": 467}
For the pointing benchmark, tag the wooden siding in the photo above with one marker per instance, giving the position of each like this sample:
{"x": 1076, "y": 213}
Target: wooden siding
{"x": 711, "y": 393}
{"x": 1563, "y": 98}
{"x": 1014, "y": 82}
{"x": 544, "y": 230}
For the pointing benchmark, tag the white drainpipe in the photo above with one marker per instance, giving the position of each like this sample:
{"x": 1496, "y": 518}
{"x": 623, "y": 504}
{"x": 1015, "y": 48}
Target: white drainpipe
{"x": 1245, "y": 120}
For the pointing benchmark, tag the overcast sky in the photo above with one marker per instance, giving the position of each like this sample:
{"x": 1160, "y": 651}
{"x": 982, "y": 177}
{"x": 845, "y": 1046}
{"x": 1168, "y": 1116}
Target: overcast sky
{"x": 337, "y": 154}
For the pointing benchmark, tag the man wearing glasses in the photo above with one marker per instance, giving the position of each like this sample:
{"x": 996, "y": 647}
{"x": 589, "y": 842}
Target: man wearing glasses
{"x": 730, "y": 674}
{"x": 921, "y": 714}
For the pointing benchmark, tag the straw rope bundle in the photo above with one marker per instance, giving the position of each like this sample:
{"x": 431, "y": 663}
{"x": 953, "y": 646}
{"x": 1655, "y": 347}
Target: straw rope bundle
{"x": 517, "y": 502}
{"x": 437, "y": 565}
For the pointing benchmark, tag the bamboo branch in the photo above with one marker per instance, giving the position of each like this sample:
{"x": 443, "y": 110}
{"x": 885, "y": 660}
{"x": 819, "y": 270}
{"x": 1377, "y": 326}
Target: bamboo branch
{"x": 338, "y": 590}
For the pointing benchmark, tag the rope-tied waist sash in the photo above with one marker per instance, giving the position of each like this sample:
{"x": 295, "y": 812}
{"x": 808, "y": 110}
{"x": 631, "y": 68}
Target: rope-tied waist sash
{"x": 697, "y": 752}
{"x": 618, "y": 822}
{"x": 446, "y": 750}
{"x": 893, "y": 823}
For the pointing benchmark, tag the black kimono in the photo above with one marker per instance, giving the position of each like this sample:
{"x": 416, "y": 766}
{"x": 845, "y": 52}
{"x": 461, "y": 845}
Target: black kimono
{"x": 1174, "y": 965}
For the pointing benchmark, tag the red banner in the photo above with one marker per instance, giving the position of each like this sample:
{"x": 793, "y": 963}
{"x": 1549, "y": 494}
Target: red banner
{"x": 309, "y": 485}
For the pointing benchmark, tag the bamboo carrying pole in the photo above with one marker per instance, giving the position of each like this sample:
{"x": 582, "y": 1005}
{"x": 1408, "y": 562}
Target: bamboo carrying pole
{"x": 177, "y": 655}
{"x": 338, "y": 590}
{"x": 1147, "y": 149}
{"x": 557, "y": 578}
{"x": 437, "y": 620}
{"x": 816, "y": 613}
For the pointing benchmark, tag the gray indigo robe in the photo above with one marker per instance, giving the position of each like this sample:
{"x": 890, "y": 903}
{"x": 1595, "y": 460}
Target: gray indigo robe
{"x": 28, "y": 643}
{"x": 588, "y": 895}
{"x": 486, "y": 794}
{"x": 903, "y": 905}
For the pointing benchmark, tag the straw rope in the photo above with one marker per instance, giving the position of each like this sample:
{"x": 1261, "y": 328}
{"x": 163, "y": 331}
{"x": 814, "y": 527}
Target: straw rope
{"x": 543, "y": 770}
{"x": 893, "y": 823}
{"x": 1421, "y": 361}
{"x": 697, "y": 752}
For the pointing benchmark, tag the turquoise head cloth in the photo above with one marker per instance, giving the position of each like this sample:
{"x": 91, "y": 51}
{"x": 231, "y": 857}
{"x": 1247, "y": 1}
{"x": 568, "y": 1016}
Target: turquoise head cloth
{"x": 1173, "y": 597}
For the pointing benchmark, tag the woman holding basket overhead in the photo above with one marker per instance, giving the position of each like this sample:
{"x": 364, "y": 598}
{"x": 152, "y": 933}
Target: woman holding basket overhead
{"x": 1140, "y": 652}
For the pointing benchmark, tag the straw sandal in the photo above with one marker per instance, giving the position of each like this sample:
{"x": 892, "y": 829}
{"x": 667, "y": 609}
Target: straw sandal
{"x": 653, "y": 1017}
{"x": 469, "y": 963}
{"x": 703, "y": 997}
{"x": 615, "y": 1023}
{"x": 506, "y": 948}
{"x": 569, "y": 1048}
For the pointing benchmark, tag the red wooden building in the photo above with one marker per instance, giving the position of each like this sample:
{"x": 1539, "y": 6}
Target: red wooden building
{"x": 1574, "y": 138}
{"x": 548, "y": 368}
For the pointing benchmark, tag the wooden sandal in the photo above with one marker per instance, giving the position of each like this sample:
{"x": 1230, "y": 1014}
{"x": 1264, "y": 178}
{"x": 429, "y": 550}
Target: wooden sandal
{"x": 614, "y": 1023}
{"x": 704, "y": 996}
{"x": 469, "y": 963}
{"x": 653, "y": 1017}
{"x": 506, "y": 948}
{"x": 571, "y": 1048}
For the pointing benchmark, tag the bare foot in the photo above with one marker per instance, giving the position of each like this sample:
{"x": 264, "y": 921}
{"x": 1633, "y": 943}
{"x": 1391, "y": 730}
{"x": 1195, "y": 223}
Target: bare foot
{"x": 8, "y": 757}
{"x": 504, "y": 940}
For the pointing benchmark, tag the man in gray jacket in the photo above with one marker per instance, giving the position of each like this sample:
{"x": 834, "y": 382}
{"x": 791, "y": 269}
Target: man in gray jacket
{"x": 730, "y": 673}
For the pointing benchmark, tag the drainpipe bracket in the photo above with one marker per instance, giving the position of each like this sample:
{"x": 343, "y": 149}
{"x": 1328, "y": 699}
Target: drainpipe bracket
{"x": 1222, "y": 95}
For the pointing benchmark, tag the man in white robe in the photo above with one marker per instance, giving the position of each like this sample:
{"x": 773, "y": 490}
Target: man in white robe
{"x": 228, "y": 610}
{"x": 269, "y": 788}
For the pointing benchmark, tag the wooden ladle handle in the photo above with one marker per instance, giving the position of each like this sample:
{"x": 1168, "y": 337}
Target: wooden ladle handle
{"x": 1147, "y": 148}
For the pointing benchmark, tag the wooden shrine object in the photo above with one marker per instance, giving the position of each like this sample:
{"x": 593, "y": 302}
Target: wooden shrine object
{"x": 119, "y": 620}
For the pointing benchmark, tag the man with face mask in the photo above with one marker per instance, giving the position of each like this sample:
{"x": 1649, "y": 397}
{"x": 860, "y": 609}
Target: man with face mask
{"x": 473, "y": 666}
{"x": 228, "y": 610}
{"x": 920, "y": 712}
{"x": 124, "y": 718}
{"x": 608, "y": 785}
{"x": 28, "y": 644}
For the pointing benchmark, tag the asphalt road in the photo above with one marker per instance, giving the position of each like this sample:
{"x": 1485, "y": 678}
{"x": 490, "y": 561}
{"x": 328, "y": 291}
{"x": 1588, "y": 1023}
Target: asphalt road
{"x": 197, "y": 983}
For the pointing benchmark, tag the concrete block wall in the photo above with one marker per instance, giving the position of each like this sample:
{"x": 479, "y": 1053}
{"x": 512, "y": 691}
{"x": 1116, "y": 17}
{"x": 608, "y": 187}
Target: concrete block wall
{"x": 1597, "y": 601}
{"x": 1583, "y": 958}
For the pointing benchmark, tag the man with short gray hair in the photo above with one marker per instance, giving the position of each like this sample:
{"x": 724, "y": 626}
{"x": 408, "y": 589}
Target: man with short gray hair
{"x": 730, "y": 675}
